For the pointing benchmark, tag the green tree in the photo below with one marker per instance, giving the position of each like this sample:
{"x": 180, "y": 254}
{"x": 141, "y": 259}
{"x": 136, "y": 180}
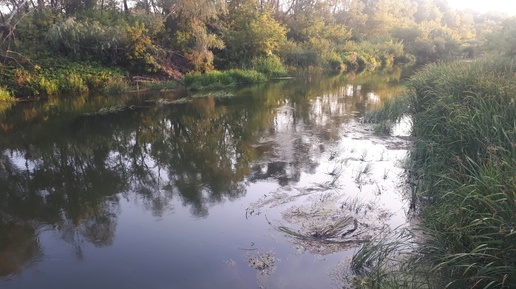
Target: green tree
{"x": 504, "y": 41}
{"x": 192, "y": 23}
{"x": 250, "y": 32}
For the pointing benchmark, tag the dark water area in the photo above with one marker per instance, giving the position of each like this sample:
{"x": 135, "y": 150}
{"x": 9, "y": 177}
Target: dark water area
{"x": 232, "y": 189}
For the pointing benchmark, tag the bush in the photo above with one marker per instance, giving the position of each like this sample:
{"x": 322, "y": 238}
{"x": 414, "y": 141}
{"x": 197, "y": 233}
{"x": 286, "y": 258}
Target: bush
{"x": 5, "y": 95}
{"x": 270, "y": 66}
{"x": 89, "y": 38}
{"x": 370, "y": 55}
{"x": 296, "y": 55}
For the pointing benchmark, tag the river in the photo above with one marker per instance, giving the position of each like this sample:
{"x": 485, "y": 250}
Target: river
{"x": 268, "y": 186}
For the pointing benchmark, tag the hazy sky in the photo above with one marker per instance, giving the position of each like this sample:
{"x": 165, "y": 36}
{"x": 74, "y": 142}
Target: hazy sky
{"x": 507, "y": 6}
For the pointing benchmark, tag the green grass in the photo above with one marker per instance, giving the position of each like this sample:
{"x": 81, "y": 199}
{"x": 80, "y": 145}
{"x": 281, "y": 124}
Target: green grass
{"x": 62, "y": 77}
{"x": 464, "y": 117}
{"x": 220, "y": 79}
{"x": 464, "y": 164}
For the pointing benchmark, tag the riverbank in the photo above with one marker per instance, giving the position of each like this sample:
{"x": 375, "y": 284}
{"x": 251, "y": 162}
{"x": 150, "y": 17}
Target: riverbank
{"x": 464, "y": 161}
{"x": 462, "y": 167}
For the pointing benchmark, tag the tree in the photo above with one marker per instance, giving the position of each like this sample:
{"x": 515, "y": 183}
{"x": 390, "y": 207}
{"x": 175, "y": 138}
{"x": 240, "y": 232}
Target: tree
{"x": 251, "y": 32}
{"x": 188, "y": 20}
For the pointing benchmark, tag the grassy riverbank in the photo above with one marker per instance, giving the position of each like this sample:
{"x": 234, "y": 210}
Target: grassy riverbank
{"x": 464, "y": 160}
{"x": 61, "y": 76}
{"x": 463, "y": 164}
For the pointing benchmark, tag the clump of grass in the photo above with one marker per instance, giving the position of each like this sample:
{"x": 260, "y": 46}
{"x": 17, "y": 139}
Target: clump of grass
{"x": 270, "y": 66}
{"x": 220, "y": 79}
{"x": 386, "y": 262}
{"x": 464, "y": 116}
{"x": 5, "y": 95}
{"x": 6, "y": 101}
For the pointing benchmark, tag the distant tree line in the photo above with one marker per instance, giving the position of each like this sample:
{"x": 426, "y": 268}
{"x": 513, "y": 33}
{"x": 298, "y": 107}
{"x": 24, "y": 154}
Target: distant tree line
{"x": 173, "y": 37}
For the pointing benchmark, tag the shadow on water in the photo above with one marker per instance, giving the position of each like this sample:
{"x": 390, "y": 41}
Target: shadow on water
{"x": 66, "y": 165}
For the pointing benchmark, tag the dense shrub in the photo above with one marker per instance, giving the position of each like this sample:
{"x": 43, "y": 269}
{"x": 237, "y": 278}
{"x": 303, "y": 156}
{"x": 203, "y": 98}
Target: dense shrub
{"x": 270, "y": 66}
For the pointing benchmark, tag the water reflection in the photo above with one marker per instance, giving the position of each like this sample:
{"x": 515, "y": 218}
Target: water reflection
{"x": 65, "y": 164}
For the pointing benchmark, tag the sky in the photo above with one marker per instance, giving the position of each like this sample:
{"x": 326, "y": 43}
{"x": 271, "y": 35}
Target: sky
{"x": 507, "y": 6}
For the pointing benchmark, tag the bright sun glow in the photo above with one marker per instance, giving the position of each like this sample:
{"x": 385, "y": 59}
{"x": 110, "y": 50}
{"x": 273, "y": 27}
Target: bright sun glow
{"x": 506, "y": 6}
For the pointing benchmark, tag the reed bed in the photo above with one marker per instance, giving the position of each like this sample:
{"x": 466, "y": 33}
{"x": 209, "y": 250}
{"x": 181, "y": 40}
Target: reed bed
{"x": 463, "y": 168}
{"x": 464, "y": 117}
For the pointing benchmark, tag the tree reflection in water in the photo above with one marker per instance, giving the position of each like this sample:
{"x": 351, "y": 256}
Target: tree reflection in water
{"x": 65, "y": 165}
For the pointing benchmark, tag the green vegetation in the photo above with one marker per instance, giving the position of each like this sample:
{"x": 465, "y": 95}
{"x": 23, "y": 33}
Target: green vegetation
{"x": 103, "y": 42}
{"x": 462, "y": 164}
{"x": 465, "y": 159}
{"x": 5, "y": 95}
{"x": 62, "y": 77}
{"x": 218, "y": 79}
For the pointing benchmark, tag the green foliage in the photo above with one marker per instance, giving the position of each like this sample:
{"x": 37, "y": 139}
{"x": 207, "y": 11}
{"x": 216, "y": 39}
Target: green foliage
{"x": 5, "y": 95}
{"x": 61, "y": 77}
{"x": 270, "y": 66}
{"x": 250, "y": 33}
{"x": 137, "y": 52}
{"x": 297, "y": 55}
{"x": 464, "y": 115}
{"x": 110, "y": 41}
{"x": 316, "y": 40}
{"x": 429, "y": 42}
{"x": 267, "y": 34}
{"x": 218, "y": 79}
{"x": 503, "y": 41}
{"x": 88, "y": 38}
{"x": 369, "y": 55}
{"x": 189, "y": 21}
{"x": 172, "y": 37}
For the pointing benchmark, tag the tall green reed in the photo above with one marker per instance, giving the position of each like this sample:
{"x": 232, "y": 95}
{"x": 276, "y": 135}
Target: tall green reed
{"x": 464, "y": 117}
{"x": 463, "y": 169}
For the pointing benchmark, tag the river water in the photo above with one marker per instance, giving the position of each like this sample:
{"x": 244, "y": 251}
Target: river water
{"x": 269, "y": 186}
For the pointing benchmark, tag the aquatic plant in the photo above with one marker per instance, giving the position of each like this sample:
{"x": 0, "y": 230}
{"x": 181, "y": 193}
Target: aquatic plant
{"x": 385, "y": 262}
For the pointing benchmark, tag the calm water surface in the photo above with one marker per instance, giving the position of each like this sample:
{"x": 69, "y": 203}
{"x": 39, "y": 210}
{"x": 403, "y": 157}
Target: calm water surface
{"x": 141, "y": 191}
